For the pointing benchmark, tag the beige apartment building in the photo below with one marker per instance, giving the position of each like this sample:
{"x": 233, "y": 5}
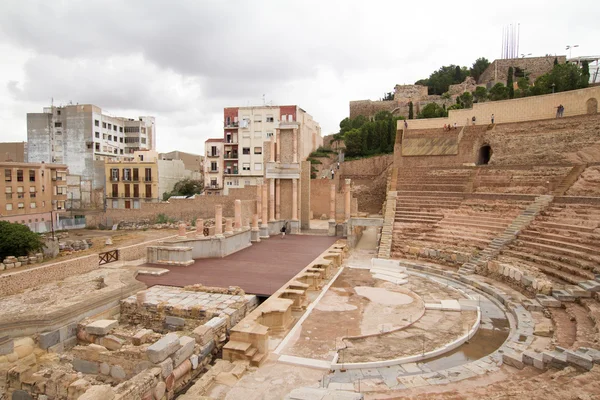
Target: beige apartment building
{"x": 191, "y": 162}
{"x": 246, "y": 129}
{"x": 33, "y": 194}
{"x": 13, "y": 151}
{"x": 213, "y": 167}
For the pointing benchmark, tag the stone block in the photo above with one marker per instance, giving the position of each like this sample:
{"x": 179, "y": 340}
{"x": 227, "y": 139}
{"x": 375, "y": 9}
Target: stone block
{"x": 185, "y": 351}
{"x": 194, "y": 361}
{"x": 579, "y": 359}
{"x": 548, "y": 301}
{"x": 104, "y": 369}
{"x": 86, "y": 367}
{"x": 141, "y": 336}
{"x": 117, "y": 372}
{"x": 534, "y": 359}
{"x": 101, "y": 327}
{"x": 163, "y": 348}
{"x": 111, "y": 342}
{"x": 142, "y": 365}
{"x": 21, "y": 395}
{"x": 7, "y": 345}
{"x": 207, "y": 349}
{"x": 48, "y": 339}
{"x": 174, "y": 321}
{"x": 57, "y": 348}
{"x": 70, "y": 343}
{"x": 98, "y": 392}
{"x": 513, "y": 359}
{"x": 166, "y": 367}
{"x": 68, "y": 331}
{"x": 203, "y": 334}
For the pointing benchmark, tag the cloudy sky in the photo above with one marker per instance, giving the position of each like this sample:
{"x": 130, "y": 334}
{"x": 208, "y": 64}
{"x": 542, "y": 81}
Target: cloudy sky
{"x": 183, "y": 61}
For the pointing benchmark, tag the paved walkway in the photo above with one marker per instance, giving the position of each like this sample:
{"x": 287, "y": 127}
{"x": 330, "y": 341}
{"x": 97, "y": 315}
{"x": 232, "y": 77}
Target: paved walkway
{"x": 259, "y": 269}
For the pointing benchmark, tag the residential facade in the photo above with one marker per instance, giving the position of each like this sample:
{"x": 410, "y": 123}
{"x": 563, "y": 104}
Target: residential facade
{"x": 213, "y": 167}
{"x": 83, "y": 136}
{"x": 192, "y": 162}
{"x": 33, "y": 194}
{"x": 13, "y": 151}
{"x": 246, "y": 129}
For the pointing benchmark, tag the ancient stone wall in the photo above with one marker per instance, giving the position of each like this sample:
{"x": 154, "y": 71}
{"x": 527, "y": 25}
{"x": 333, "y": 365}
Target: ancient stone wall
{"x": 369, "y": 108}
{"x": 366, "y": 167}
{"x": 406, "y": 93}
{"x": 497, "y": 71}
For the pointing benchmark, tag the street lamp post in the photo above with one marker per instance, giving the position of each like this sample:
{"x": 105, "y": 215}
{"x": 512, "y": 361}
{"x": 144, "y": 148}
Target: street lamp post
{"x": 570, "y": 48}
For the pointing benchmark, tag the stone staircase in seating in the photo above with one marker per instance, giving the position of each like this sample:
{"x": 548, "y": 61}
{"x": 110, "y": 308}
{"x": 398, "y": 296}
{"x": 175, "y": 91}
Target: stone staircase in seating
{"x": 435, "y": 179}
{"x": 569, "y": 180}
{"x": 508, "y": 235}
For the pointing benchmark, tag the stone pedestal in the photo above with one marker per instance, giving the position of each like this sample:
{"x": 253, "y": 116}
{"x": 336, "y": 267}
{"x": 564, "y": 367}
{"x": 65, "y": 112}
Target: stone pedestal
{"x": 181, "y": 232}
{"x": 332, "y": 226}
{"x": 199, "y": 227}
{"x": 264, "y": 227}
{"x": 347, "y": 197}
{"x": 228, "y": 226}
{"x": 294, "y": 227}
{"x": 278, "y": 199}
{"x": 255, "y": 230}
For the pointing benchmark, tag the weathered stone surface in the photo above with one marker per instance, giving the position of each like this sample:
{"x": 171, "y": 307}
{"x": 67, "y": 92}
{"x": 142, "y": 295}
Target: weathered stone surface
{"x": 111, "y": 342}
{"x": 7, "y": 346}
{"x": 104, "y": 369}
{"x": 513, "y": 359}
{"x": 207, "y": 348}
{"x": 194, "y": 360}
{"x": 68, "y": 331}
{"x": 117, "y": 372}
{"x": 579, "y": 359}
{"x": 142, "y": 365}
{"x": 86, "y": 367}
{"x": 48, "y": 339}
{"x": 141, "y": 336}
{"x": 98, "y": 392}
{"x": 159, "y": 390}
{"x": 174, "y": 321}
{"x": 185, "y": 351}
{"x": 203, "y": 334}
{"x": 101, "y": 327}
{"x": 167, "y": 367}
{"x": 21, "y": 395}
{"x": 163, "y": 348}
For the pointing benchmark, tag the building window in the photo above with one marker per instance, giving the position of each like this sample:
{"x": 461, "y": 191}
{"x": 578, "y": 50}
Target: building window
{"x": 8, "y": 175}
{"x": 97, "y": 146}
{"x": 258, "y": 166}
{"x": 58, "y": 112}
{"x": 121, "y": 129}
{"x": 121, "y": 151}
{"x": 213, "y": 166}
{"x": 21, "y": 206}
{"x": 109, "y": 126}
{"x": 104, "y": 125}
{"x": 246, "y": 183}
{"x": 97, "y": 135}
{"x": 114, "y": 127}
{"x": 143, "y": 140}
{"x": 148, "y": 175}
{"x": 258, "y": 150}
{"x": 96, "y": 122}
{"x": 115, "y": 138}
{"x": 246, "y": 150}
{"x": 126, "y": 174}
{"x": 32, "y": 205}
{"x": 136, "y": 190}
{"x": 269, "y": 134}
{"x": 115, "y": 204}
{"x": 114, "y": 174}
{"x": 115, "y": 151}
{"x": 115, "y": 190}
{"x": 20, "y": 195}
{"x": 8, "y": 207}
{"x": 8, "y": 196}
{"x": 269, "y": 118}
{"x": 127, "y": 190}
{"x": 58, "y": 124}
{"x": 32, "y": 195}
{"x": 104, "y": 136}
{"x": 257, "y": 118}
{"x": 19, "y": 175}
{"x": 136, "y": 174}
{"x": 121, "y": 140}
{"x": 246, "y": 166}
{"x": 148, "y": 191}
{"x": 31, "y": 175}
{"x": 109, "y": 137}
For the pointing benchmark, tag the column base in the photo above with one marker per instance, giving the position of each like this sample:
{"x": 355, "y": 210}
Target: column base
{"x": 294, "y": 227}
{"x": 264, "y": 232}
{"x": 255, "y": 235}
{"x": 332, "y": 230}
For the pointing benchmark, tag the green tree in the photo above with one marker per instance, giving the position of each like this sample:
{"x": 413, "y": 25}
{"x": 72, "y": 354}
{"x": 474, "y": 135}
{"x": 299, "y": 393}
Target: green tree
{"x": 466, "y": 100}
{"x": 18, "y": 240}
{"x": 345, "y": 125}
{"x": 432, "y": 110}
{"x": 498, "y": 92}
{"x": 555, "y": 61}
{"x": 563, "y": 77}
{"x": 478, "y": 67}
{"x": 440, "y": 80}
{"x": 411, "y": 114}
{"x": 355, "y": 145}
{"x": 387, "y": 96}
{"x": 510, "y": 84}
{"x": 585, "y": 69}
{"x": 480, "y": 94}
{"x": 187, "y": 187}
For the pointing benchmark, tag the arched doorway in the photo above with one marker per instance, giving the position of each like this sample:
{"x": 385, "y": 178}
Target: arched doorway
{"x": 485, "y": 153}
{"x": 592, "y": 106}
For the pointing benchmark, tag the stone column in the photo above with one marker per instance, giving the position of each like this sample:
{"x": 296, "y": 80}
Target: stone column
{"x": 295, "y": 145}
{"x": 331, "y": 231}
{"x": 219, "y": 220}
{"x": 259, "y": 199}
{"x": 199, "y": 227}
{"x": 272, "y": 149}
{"x": 295, "y": 199}
{"x": 181, "y": 230}
{"x": 347, "y": 197}
{"x": 271, "y": 199}
{"x": 229, "y": 226}
{"x": 237, "y": 215}
{"x": 255, "y": 231}
{"x": 278, "y": 142}
{"x": 264, "y": 226}
{"x": 278, "y": 199}
{"x": 246, "y": 225}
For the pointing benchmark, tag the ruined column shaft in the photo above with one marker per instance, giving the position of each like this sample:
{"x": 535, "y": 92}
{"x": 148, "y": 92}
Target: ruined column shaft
{"x": 272, "y": 149}
{"x": 237, "y": 215}
{"x": 295, "y": 199}
{"x": 259, "y": 199}
{"x": 278, "y": 199}
{"x": 265, "y": 206}
{"x": 332, "y": 203}
{"x": 271, "y": 199}
{"x": 347, "y": 199}
{"x": 218, "y": 219}
{"x": 278, "y": 144}
{"x": 199, "y": 226}
{"x": 295, "y": 145}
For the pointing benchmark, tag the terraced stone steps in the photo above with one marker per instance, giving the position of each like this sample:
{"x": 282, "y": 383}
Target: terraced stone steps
{"x": 540, "y": 261}
{"x": 560, "y": 242}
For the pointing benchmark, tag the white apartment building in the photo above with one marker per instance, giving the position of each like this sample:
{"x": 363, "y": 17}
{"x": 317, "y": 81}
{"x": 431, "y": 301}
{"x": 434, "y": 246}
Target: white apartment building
{"x": 213, "y": 167}
{"x": 82, "y": 136}
{"x": 246, "y": 129}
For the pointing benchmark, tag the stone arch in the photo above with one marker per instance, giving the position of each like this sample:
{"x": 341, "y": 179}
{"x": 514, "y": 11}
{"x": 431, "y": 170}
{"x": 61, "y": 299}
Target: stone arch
{"x": 484, "y": 154}
{"x": 592, "y": 106}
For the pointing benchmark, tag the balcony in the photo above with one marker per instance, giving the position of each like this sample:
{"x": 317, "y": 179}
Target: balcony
{"x": 213, "y": 171}
{"x": 213, "y": 187}
{"x": 232, "y": 171}
{"x": 231, "y": 156}
{"x": 231, "y": 125}
{"x": 213, "y": 155}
